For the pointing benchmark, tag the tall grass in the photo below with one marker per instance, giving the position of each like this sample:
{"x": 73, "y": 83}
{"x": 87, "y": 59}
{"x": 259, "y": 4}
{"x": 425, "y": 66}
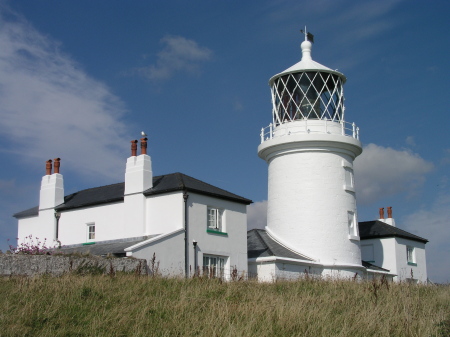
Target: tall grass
{"x": 127, "y": 305}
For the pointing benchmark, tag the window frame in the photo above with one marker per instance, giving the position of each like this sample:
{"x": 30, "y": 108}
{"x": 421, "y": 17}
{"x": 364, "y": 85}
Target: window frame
{"x": 215, "y": 220}
{"x": 215, "y": 272}
{"x": 352, "y": 225}
{"x": 349, "y": 177}
{"x": 411, "y": 255}
{"x": 90, "y": 235}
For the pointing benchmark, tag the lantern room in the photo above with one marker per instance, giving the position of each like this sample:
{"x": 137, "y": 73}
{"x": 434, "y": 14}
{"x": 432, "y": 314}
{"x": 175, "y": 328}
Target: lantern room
{"x": 307, "y": 90}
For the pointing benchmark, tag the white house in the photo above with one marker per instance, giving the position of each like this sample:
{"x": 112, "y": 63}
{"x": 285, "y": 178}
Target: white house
{"x": 385, "y": 245}
{"x": 185, "y": 223}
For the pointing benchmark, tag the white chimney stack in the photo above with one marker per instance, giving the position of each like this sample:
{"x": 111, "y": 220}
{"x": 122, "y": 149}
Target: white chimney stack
{"x": 138, "y": 174}
{"x": 52, "y": 186}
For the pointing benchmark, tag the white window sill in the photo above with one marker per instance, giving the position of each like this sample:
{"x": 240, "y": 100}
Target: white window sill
{"x": 349, "y": 188}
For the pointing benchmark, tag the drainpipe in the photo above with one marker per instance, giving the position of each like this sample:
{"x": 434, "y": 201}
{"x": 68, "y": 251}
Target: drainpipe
{"x": 186, "y": 235}
{"x": 194, "y": 243}
{"x": 57, "y": 216}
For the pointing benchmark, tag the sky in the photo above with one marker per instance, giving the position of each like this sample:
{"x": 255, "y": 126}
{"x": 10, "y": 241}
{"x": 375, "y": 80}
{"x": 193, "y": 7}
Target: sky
{"x": 80, "y": 79}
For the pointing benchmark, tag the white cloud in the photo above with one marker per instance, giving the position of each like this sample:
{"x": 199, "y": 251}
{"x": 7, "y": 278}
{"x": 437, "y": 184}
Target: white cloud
{"x": 50, "y": 107}
{"x": 257, "y": 215}
{"x": 433, "y": 223}
{"x": 382, "y": 171}
{"x": 178, "y": 54}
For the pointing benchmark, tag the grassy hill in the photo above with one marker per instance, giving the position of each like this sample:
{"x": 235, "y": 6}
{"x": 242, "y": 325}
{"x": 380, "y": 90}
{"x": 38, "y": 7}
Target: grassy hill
{"x": 128, "y": 305}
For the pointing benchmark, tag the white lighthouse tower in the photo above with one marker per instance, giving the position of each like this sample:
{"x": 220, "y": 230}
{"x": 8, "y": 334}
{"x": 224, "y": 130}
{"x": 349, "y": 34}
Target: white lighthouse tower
{"x": 310, "y": 151}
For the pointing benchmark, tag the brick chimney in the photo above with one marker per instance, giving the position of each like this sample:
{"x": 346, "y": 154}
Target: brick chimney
{"x": 52, "y": 186}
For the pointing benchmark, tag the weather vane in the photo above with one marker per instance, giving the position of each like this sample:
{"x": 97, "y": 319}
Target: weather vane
{"x": 308, "y": 36}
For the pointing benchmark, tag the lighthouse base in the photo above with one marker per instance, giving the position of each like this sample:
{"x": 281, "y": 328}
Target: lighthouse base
{"x": 269, "y": 261}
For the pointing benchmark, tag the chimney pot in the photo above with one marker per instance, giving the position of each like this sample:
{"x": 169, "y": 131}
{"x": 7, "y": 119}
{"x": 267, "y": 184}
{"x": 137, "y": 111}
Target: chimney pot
{"x": 134, "y": 148}
{"x": 382, "y": 213}
{"x": 57, "y": 164}
{"x": 48, "y": 167}
{"x": 144, "y": 145}
{"x": 389, "y": 212}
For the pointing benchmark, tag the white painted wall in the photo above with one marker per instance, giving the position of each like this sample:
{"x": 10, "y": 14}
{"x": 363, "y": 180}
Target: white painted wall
{"x": 133, "y": 217}
{"x": 390, "y": 253}
{"x": 268, "y": 269}
{"x": 42, "y": 227}
{"x": 384, "y": 253}
{"x": 169, "y": 253}
{"x": 233, "y": 245}
{"x": 264, "y": 271}
{"x": 165, "y": 213}
{"x": 417, "y": 271}
{"x": 109, "y": 222}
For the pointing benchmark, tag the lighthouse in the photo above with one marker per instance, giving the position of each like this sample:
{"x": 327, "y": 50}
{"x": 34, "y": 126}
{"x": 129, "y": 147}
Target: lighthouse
{"x": 310, "y": 148}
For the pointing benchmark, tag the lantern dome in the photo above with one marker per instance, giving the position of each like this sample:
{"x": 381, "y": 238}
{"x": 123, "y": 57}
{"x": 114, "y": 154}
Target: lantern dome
{"x": 307, "y": 90}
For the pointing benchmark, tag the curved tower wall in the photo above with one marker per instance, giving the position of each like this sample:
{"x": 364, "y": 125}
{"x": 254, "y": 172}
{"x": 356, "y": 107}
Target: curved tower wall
{"x": 311, "y": 195}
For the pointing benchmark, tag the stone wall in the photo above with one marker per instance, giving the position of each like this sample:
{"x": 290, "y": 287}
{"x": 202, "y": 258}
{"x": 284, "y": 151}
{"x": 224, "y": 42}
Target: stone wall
{"x": 56, "y": 265}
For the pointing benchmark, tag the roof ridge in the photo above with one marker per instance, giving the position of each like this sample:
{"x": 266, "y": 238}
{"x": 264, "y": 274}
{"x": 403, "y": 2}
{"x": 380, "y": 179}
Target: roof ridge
{"x": 264, "y": 241}
{"x": 93, "y": 188}
{"x": 220, "y": 188}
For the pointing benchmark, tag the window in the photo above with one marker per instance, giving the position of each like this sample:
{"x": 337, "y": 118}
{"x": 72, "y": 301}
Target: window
{"x": 349, "y": 179}
{"x": 215, "y": 219}
{"x": 213, "y": 266}
{"x": 91, "y": 231}
{"x": 352, "y": 226}
{"x": 410, "y": 255}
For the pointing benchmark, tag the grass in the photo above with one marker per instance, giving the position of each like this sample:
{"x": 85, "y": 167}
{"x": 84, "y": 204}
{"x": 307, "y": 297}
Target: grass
{"x": 128, "y": 305}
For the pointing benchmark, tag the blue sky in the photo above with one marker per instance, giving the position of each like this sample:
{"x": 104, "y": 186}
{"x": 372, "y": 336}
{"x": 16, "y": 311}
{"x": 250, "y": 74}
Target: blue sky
{"x": 80, "y": 79}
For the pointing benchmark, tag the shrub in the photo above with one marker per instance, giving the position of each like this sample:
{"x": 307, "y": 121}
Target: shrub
{"x": 31, "y": 246}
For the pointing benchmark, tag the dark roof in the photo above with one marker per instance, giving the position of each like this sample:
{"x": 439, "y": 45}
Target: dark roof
{"x": 378, "y": 229}
{"x": 372, "y": 266}
{"x": 161, "y": 184}
{"x": 103, "y": 248}
{"x": 93, "y": 196}
{"x": 179, "y": 181}
{"x": 260, "y": 244}
{"x": 33, "y": 211}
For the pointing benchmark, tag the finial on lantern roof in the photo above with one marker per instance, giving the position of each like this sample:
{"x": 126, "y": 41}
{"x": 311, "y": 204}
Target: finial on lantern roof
{"x": 306, "y": 45}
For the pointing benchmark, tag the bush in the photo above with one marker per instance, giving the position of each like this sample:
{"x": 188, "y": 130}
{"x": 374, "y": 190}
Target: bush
{"x": 32, "y": 246}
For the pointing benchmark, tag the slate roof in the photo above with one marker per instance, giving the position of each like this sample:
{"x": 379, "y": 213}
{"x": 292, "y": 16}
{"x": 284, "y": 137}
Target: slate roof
{"x": 115, "y": 247}
{"x": 372, "y": 266}
{"x": 260, "y": 244}
{"x": 161, "y": 184}
{"x": 378, "y": 229}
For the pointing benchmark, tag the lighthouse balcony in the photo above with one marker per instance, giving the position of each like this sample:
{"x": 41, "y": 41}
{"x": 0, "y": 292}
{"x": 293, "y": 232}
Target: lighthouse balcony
{"x": 310, "y": 127}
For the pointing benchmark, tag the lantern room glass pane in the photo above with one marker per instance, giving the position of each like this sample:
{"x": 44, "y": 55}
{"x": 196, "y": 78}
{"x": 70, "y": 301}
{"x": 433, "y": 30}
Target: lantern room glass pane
{"x": 307, "y": 95}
